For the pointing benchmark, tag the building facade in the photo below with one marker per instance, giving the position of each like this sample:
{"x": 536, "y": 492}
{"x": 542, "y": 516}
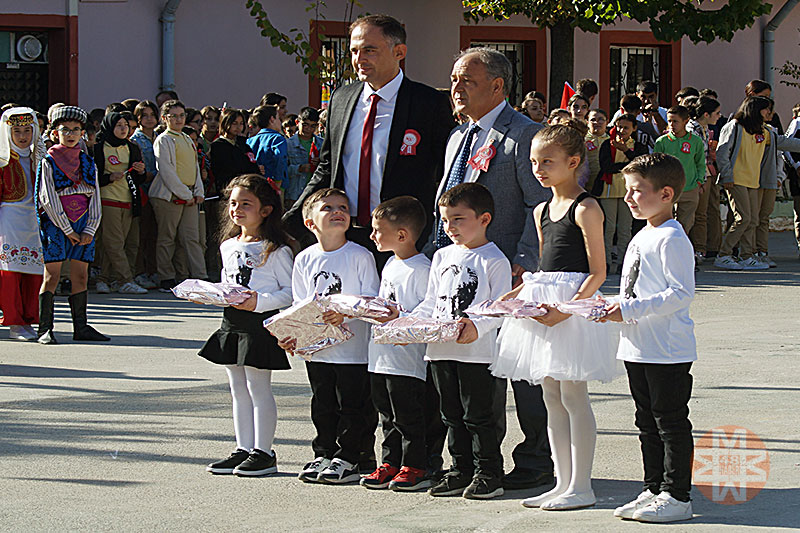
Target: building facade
{"x": 92, "y": 52}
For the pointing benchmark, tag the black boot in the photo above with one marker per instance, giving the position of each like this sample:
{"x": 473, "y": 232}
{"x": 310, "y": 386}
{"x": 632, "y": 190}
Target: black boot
{"x": 46, "y": 311}
{"x": 81, "y": 330}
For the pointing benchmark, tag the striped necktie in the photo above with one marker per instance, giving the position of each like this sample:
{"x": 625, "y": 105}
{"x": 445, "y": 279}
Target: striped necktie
{"x": 456, "y": 177}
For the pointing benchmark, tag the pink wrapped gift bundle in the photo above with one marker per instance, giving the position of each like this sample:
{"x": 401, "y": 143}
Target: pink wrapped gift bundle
{"x": 303, "y": 321}
{"x": 413, "y": 330}
{"x": 205, "y": 292}
{"x": 366, "y": 308}
{"x": 511, "y": 308}
{"x": 589, "y": 308}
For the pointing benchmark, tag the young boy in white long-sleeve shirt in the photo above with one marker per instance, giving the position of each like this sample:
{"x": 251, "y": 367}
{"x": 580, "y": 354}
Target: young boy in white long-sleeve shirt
{"x": 398, "y": 373}
{"x": 656, "y": 289}
{"x": 338, "y": 374}
{"x": 471, "y": 270}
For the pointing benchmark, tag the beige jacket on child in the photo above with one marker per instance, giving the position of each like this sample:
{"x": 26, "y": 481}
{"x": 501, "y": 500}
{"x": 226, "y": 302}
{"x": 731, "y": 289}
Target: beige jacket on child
{"x": 167, "y": 185}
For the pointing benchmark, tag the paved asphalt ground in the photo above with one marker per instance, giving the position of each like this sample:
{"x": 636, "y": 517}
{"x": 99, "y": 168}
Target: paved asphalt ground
{"x": 115, "y": 437}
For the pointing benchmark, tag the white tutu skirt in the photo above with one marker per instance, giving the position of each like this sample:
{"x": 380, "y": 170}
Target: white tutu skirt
{"x": 576, "y": 349}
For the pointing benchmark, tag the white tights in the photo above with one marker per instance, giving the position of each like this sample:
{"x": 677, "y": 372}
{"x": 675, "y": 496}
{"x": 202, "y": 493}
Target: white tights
{"x": 255, "y": 414}
{"x": 572, "y": 432}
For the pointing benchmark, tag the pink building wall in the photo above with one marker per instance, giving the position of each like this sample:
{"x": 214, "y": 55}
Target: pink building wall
{"x": 220, "y": 55}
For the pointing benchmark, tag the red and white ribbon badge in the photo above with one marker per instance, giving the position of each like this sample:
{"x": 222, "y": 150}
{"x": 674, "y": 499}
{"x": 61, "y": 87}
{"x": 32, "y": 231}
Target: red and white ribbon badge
{"x": 114, "y": 160}
{"x": 481, "y": 159}
{"x": 686, "y": 147}
{"x": 759, "y": 138}
{"x": 251, "y": 157}
{"x": 590, "y": 146}
{"x": 411, "y": 139}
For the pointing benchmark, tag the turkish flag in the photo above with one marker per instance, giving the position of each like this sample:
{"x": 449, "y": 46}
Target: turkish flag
{"x": 566, "y": 94}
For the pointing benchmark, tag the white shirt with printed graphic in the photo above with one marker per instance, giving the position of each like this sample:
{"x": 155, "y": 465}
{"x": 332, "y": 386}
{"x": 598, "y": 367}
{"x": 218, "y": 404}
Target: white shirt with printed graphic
{"x": 404, "y": 281}
{"x": 459, "y": 278}
{"x": 656, "y": 289}
{"x": 347, "y": 270}
{"x": 242, "y": 263}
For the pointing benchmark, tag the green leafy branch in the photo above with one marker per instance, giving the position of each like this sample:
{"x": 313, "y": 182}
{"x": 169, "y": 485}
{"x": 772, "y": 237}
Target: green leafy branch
{"x": 791, "y": 70}
{"x": 297, "y": 43}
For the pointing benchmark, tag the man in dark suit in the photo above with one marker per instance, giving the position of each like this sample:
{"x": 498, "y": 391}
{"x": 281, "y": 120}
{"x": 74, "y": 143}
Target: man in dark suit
{"x": 384, "y": 146}
{"x": 493, "y": 149}
{"x": 385, "y": 138}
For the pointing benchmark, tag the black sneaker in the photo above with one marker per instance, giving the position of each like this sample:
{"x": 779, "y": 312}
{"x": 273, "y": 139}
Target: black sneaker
{"x": 484, "y": 487}
{"x": 166, "y": 285}
{"x": 226, "y": 466}
{"x": 520, "y": 479}
{"x": 452, "y": 484}
{"x": 339, "y": 472}
{"x": 259, "y": 463}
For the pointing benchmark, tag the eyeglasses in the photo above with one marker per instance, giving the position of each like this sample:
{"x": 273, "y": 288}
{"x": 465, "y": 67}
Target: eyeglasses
{"x": 182, "y": 115}
{"x": 69, "y": 132}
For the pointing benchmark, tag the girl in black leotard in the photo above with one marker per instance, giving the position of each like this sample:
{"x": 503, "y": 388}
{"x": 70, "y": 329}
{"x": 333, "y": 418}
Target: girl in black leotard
{"x": 560, "y": 352}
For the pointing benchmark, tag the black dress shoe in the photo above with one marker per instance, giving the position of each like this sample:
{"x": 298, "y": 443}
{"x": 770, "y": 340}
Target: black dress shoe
{"x": 519, "y": 479}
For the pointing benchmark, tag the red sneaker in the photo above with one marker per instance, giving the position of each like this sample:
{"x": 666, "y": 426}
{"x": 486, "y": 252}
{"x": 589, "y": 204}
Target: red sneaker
{"x": 380, "y": 478}
{"x": 410, "y": 479}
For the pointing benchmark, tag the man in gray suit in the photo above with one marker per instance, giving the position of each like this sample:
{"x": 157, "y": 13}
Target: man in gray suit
{"x": 493, "y": 149}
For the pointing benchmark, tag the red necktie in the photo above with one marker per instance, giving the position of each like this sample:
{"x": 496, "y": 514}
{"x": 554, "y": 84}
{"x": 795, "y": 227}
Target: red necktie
{"x": 363, "y": 216}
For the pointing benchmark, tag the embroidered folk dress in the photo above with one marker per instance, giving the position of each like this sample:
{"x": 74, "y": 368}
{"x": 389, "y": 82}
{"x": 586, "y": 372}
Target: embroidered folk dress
{"x": 20, "y": 246}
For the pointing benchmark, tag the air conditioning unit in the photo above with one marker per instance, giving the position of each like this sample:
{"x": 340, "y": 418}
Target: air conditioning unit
{"x": 29, "y": 47}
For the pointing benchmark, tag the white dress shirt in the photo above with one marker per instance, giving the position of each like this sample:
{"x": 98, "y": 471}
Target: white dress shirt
{"x": 485, "y": 124}
{"x": 351, "y": 155}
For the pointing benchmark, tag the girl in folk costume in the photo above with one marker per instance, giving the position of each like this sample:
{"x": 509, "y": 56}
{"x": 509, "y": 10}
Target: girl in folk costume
{"x": 21, "y": 263}
{"x": 68, "y": 205}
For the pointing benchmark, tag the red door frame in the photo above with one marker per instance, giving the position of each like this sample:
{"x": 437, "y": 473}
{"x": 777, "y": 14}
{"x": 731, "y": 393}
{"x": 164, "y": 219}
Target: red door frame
{"x": 63, "y": 50}
{"x": 534, "y": 42}
{"x": 669, "y": 70}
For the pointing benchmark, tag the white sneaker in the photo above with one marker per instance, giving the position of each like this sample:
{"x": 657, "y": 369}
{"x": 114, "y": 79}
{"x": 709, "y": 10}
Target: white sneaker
{"x": 131, "y": 288}
{"x": 626, "y": 511}
{"x": 764, "y": 258}
{"x": 102, "y": 288}
{"x": 145, "y": 282}
{"x": 339, "y": 472}
{"x": 21, "y": 333}
{"x": 752, "y": 263}
{"x": 727, "y": 262}
{"x": 664, "y": 508}
{"x": 311, "y": 471}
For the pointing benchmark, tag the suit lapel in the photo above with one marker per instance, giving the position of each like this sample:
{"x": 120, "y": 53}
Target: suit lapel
{"x": 496, "y": 137}
{"x": 344, "y": 114}
{"x": 399, "y": 122}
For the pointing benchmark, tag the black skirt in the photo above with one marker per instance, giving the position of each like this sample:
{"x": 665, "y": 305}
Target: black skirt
{"x": 242, "y": 340}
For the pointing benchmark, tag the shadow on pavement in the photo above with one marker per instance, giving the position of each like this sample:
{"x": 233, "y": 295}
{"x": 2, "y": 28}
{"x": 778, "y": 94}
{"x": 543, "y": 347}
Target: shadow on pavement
{"x": 91, "y": 482}
{"x": 24, "y": 371}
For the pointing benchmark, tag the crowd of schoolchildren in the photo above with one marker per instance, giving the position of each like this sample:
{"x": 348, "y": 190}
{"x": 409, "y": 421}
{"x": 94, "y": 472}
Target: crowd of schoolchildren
{"x": 743, "y": 160}
{"x": 128, "y": 197}
{"x": 143, "y": 191}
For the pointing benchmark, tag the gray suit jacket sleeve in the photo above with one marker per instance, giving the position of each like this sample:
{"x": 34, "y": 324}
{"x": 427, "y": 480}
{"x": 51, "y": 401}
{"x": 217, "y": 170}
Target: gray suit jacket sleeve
{"x": 533, "y": 194}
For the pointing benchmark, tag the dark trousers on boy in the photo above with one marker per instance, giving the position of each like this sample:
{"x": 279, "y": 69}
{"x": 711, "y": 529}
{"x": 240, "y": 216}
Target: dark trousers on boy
{"x": 400, "y": 404}
{"x": 339, "y": 392}
{"x": 467, "y": 392}
{"x": 435, "y": 430}
{"x": 661, "y": 393}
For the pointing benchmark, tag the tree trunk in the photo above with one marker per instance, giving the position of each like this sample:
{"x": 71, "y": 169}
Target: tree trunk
{"x": 562, "y": 60}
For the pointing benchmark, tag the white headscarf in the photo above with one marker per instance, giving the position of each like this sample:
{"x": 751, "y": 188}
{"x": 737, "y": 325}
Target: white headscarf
{"x": 37, "y": 146}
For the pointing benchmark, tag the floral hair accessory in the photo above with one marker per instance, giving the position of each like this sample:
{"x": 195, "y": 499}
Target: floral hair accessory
{"x": 274, "y": 185}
